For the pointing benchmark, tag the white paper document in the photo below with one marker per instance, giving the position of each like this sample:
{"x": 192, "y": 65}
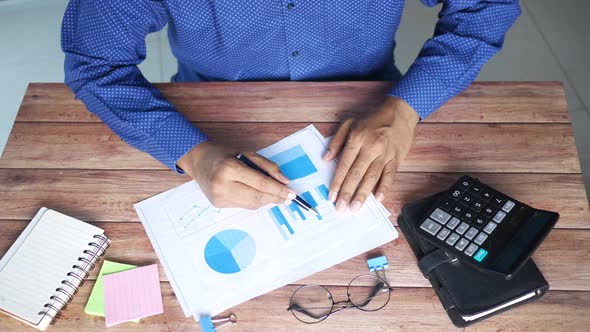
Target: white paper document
{"x": 218, "y": 258}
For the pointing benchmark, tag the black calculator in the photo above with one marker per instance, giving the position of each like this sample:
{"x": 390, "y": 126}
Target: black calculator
{"x": 485, "y": 228}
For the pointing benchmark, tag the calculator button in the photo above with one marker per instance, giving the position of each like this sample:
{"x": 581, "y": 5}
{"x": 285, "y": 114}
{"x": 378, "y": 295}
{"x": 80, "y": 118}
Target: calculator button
{"x": 452, "y": 239}
{"x": 442, "y": 235}
{"x": 462, "y": 228}
{"x": 490, "y": 227}
{"x": 470, "y": 250}
{"x": 487, "y": 194}
{"x": 471, "y": 233}
{"x": 476, "y": 189}
{"x": 478, "y": 204}
{"x": 457, "y": 210}
{"x": 455, "y": 194}
{"x": 440, "y": 216}
{"x": 498, "y": 200}
{"x": 467, "y": 200}
{"x": 461, "y": 244}
{"x": 499, "y": 216}
{"x": 430, "y": 226}
{"x": 465, "y": 182}
{"x": 453, "y": 223}
{"x": 480, "y": 238}
{"x": 480, "y": 254}
{"x": 479, "y": 222}
{"x": 468, "y": 216}
{"x": 488, "y": 211}
{"x": 508, "y": 206}
{"x": 446, "y": 204}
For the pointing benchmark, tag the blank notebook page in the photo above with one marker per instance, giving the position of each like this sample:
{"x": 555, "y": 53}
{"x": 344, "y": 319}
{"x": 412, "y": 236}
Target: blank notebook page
{"x": 39, "y": 260}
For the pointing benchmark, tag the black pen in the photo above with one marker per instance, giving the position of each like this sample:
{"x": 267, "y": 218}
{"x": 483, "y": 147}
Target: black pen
{"x": 300, "y": 201}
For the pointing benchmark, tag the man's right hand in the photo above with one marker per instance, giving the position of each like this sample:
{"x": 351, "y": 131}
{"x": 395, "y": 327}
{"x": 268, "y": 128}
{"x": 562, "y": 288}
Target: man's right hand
{"x": 227, "y": 182}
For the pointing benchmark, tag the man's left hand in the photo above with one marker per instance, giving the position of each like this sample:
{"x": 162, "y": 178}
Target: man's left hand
{"x": 371, "y": 147}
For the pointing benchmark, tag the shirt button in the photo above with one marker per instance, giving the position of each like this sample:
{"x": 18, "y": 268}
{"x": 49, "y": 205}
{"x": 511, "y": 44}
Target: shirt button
{"x": 295, "y": 53}
{"x": 290, "y": 5}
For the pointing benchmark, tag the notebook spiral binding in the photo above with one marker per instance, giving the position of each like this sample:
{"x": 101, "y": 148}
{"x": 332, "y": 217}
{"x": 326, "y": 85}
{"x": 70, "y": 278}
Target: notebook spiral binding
{"x": 69, "y": 286}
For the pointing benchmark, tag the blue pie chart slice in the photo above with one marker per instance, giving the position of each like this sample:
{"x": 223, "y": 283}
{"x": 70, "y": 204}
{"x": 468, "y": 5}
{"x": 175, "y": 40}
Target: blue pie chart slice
{"x": 230, "y": 251}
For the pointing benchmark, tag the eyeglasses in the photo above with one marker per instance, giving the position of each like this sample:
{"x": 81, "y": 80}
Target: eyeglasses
{"x": 312, "y": 304}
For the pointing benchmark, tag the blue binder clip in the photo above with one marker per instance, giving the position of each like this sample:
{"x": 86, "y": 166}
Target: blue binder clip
{"x": 378, "y": 265}
{"x": 208, "y": 324}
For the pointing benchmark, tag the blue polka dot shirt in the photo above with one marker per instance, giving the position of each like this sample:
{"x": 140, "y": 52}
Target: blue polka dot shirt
{"x": 229, "y": 40}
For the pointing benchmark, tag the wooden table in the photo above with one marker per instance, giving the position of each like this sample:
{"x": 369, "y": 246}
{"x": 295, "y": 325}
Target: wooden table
{"x": 514, "y": 136}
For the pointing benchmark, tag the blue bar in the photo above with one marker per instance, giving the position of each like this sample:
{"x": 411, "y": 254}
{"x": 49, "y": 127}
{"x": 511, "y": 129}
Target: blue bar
{"x": 323, "y": 191}
{"x": 280, "y": 218}
{"x": 294, "y": 207}
{"x": 288, "y": 155}
{"x": 309, "y": 199}
{"x": 294, "y": 163}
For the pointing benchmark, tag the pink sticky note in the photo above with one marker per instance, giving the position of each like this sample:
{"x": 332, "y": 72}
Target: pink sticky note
{"x": 132, "y": 294}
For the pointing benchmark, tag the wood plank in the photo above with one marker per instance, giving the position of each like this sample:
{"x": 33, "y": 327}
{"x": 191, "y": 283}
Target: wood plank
{"x": 412, "y": 309}
{"x": 534, "y": 148}
{"x": 109, "y": 195}
{"x": 564, "y": 266}
{"x": 493, "y": 102}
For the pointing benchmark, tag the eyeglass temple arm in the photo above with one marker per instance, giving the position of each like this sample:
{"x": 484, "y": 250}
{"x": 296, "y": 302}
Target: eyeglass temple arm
{"x": 374, "y": 292}
{"x": 296, "y": 307}
{"x": 334, "y": 311}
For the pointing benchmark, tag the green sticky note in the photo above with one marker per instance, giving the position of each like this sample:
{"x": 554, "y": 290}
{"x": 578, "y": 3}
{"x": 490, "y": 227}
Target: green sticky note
{"x": 95, "y": 305}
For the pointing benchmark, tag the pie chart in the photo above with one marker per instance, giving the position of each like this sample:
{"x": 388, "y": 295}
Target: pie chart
{"x": 230, "y": 251}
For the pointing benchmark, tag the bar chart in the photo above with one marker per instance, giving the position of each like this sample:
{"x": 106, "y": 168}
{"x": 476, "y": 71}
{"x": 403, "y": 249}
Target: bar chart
{"x": 290, "y": 219}
{"x": 294, "y": 163}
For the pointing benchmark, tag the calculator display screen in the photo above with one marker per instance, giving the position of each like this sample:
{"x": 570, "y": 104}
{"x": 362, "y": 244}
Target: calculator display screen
{"x": 524, "y": 241}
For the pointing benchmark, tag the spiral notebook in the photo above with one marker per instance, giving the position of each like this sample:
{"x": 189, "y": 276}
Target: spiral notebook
{"x": 44, "y": 267}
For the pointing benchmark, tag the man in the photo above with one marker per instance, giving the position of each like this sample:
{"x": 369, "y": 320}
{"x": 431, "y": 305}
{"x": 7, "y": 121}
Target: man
{"x": 223, "y": 40}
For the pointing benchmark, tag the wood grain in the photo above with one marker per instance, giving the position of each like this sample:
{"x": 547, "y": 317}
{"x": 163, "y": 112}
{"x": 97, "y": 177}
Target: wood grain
{"x": 534, "y": 148}
{"x": 514, "y": 136}
{"x": 109, "y": 195}
{"x": 492, "y": 102}
{"x": 556, "y": 260}
{"x": 409, "y": 309}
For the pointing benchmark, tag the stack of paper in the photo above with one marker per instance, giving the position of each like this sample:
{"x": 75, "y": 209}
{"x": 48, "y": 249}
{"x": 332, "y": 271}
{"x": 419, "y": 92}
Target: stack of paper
{"x": 218, "y": 258}
{"x": 124, "y": 293}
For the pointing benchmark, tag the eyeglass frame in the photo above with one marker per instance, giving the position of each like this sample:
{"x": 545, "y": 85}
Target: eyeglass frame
{"x": 333, "y": 311}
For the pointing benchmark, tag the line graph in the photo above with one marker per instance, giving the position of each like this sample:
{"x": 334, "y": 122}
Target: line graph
{"x": 197, "y": 211}
{"x": 193, "y": 213}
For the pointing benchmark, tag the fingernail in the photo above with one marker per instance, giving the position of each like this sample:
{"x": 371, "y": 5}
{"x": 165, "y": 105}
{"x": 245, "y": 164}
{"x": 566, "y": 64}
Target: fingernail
{"x": 283, "y": 178}
{"x": 355, "y": 207}
{"x": 380, "y": 197}
{"x": 291, "y": 196}
{"x": 327, "y": 155}
{"x": 341, "y": 206}
{"x": 333, "y": 196}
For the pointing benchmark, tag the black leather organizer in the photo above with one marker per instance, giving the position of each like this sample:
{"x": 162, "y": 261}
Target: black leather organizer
{"x": 467, "y": 295}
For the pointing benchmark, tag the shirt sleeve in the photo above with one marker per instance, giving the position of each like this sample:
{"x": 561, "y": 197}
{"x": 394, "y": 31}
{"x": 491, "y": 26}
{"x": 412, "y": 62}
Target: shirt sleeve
{"x": 467, "y": 34}
{"x": 104, "y": 41}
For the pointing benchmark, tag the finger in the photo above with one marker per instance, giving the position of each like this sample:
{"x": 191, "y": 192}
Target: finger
{"x": 267, "y": 165}
{"x": 387, "y": 178}
{"x": 261, "y": 182}
{"x": 338, "y": 140}
{"x": 351, "y": 181}
{"x": 347, "y": 158}
{"x": 246, "y": 197}
{"x": 368, "y": 183}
